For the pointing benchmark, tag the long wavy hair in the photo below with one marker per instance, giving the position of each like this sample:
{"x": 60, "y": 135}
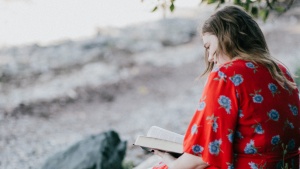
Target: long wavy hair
{"x": 239, "y": 36}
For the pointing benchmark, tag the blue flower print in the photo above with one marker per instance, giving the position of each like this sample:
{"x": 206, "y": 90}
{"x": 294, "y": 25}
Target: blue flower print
{"x": 215, "y": 125}
{"x": 274, "y": 115}
{"x": 230, "y": 136}
{"x": 214, "y": 147}
{"x": 213, "y": 120}
{"x": 221, "y": 75}
{"x": 240, "y": 113}
{"x": 275, "y": 140}
{"x": 258, "y": 129}
{"x": 238, "y": 135}
{"x": 294, "y": 110}
{"x": 285, "y": 86}
{"x": 257, "y": 98}
{"x": 230, "y": 166}
{"x": 250, "y": 148}
{"x": 291, "y": 125}
{"x": 288, "y": 124}
{"x": 237, "y": 79}
{"x": 250, "y": 65}
{"x": 197, "y": 149}
{"x": 253, "y": 165}
{"x": 194, "y": 129}
{"x": 202, "y": 105}
{"x": 225, "y": 102}
{"x": 273, "y": 88}
{"x": 237, "y": 94}
{"x": 291, "y": 144}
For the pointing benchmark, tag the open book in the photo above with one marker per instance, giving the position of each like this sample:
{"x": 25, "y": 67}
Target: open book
{"x": 161, "y": 139}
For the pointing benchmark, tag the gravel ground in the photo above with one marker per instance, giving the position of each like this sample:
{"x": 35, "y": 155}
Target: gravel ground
{"x": 149, "y": 98}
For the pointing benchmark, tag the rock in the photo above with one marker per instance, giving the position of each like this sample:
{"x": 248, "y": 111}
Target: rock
{"x": 156, "y": 35}
{"x": 102, "y": 151}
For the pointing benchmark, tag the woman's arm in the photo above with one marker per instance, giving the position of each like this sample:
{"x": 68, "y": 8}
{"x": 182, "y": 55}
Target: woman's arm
{"x": 186, "y": 161}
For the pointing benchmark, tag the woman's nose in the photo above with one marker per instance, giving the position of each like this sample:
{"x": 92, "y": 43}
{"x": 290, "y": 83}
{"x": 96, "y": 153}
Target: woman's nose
{"x": 210, "y": 58}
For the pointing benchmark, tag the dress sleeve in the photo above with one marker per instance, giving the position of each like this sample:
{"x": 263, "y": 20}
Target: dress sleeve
{"x": 211, "y": 130}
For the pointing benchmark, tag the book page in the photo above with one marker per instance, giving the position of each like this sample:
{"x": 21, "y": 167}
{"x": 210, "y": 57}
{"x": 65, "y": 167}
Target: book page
{"x": 164, "y": 134}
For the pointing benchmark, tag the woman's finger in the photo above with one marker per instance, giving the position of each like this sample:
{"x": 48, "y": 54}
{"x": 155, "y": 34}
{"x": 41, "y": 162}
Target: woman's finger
{"x": 159, "y": 153}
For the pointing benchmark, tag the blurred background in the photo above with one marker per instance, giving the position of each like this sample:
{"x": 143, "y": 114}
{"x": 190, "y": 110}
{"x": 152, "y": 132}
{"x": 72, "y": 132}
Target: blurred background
{"x": 72, "y": 68}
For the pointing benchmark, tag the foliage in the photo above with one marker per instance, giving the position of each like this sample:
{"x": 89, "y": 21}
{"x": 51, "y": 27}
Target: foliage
{"x": 164, "y": 4}
{"x": 297, "y": 79}
{"x": 257, "y": 8}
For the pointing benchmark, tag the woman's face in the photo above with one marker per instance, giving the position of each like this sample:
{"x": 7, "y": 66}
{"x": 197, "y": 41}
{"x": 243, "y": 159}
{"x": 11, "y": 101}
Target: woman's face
{"x": 211, "y": 45}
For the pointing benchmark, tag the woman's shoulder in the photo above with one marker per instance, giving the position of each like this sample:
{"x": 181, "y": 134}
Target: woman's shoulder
{"x": 239, "y": 72}
{"x": 285, "y": 71}
{"x": 235, "y": 71}
{"x": 238, "y": 66}
{"x": 244, "y": 66}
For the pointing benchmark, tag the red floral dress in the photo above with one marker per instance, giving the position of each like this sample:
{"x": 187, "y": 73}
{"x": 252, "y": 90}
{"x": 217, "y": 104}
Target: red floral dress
{"x": 245, "y": 120}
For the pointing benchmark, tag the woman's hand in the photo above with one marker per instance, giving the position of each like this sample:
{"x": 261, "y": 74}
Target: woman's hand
{"x": 186, "y": 161}
{"x": 166, "y": 157}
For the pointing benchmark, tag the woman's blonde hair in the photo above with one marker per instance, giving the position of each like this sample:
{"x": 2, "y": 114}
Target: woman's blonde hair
{"x": 239, "y": 36}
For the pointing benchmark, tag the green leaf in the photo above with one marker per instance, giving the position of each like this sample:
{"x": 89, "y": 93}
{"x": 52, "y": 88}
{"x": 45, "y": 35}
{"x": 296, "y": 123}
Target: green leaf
{"x": 280, "y": 9}
{"x": 297, "y": 73}
{"x": 237, "y": 2}
{"x": 254, "y": 11}
{"x": 264, "y": 13}
{"x": 154, "y": 9}
{"x": 247, "y": 5}
{"x": 211, "y": 1}
{"x": 172, "y": 7}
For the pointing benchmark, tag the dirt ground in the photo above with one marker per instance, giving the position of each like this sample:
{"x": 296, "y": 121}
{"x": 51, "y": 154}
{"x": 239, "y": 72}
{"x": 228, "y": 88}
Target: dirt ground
{"x": 164, "y": 96}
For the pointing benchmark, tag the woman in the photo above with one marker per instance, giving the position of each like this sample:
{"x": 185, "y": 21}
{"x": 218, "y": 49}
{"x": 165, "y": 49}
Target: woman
{"x": 248, "y": 115}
